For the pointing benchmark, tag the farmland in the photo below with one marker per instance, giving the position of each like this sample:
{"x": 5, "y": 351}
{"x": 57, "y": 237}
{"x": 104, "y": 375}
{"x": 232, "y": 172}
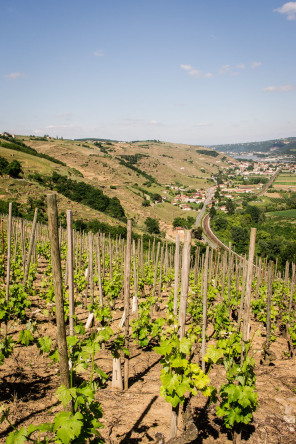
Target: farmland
{"x": 161, "y": 369}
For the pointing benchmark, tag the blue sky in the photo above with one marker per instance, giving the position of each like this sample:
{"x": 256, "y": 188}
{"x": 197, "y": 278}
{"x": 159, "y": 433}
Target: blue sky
{"x": 187, "y": 71}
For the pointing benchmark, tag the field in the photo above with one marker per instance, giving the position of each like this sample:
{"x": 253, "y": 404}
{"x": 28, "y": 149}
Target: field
{"x": 287, "y": 214}
{"x": 159, "y": 353}
{"x": 286, "y": 181}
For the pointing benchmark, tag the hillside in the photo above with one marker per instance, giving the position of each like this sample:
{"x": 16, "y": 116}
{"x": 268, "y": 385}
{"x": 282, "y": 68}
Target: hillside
{"x": 276, "y": 147}
{"x": 132, "y": 172}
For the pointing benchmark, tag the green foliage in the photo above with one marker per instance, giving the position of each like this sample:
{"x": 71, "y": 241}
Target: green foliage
{"x": 14, "y": 169}
{"x": 144, "y": 329}
{"x": 210, "y": 153}
{"x": 17, "y": 145}
{"x": 230, "y": 206}
{"x": 152, "y": 225}
{"x": 78, "y": 426}
{"x": 137, "y": 170}
{"x": 3, "y": 165}
{"x": 238, "y": 397}
{"x": 184, "y": 223}
{"x": 179, "y": 375}
{"x": 84, "y": 193}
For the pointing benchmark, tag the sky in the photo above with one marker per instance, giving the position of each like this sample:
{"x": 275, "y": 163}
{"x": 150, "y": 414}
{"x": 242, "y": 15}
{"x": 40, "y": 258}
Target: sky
{"x": 185, "y": 71}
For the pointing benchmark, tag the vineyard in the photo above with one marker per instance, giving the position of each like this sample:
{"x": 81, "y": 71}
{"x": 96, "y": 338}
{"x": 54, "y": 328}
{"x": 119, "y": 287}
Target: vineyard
{"x": 117, "y": 340}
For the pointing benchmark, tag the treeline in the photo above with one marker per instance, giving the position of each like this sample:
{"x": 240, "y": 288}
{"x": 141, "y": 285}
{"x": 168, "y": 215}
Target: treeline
{"x": 133, "y": 158}
{"x": 18, "y": 145}
{"x": 137, "y": 170}
{"x": 211, "y": 153}
{"x": 273, "y": 241}
{"x": 283, "y": 145}
{"x": 83, "y": 193}
{"x": 13, "y": 169}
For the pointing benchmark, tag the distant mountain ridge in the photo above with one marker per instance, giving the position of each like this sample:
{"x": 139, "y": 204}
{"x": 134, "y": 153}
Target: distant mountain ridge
{"x": 286, "y": 146}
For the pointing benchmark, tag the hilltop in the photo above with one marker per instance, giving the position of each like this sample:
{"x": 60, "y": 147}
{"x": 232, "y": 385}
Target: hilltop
{"x": 145, "y": 176}
{"x": 274, "y": 148}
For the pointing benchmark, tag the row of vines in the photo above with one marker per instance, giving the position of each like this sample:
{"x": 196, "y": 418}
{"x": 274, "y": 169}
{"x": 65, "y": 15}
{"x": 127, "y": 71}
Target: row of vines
{"x": 195, "y": 310}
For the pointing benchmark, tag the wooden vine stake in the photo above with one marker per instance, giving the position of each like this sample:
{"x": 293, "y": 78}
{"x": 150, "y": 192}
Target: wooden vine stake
{"x": 246, "y": 305}
{"x": 70, "y": 271}
{"x": 58, "y": 288}
{"x": 127, "y": 278}
{"x": 204, "y": 309}
{"x": 176, "y": 284}
{"x": 9, "y": 226}
{"x": 27, "y": 267}
{"x": 182, "y": 313}
{"x": 247, "y": 302}
{"x": 268, "y": 313}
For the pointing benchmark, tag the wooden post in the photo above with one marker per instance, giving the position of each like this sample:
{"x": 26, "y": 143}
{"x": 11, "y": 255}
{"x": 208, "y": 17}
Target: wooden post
{"x": 27, "y": 267}
{"x": 9, "y": 225}
{"x": 156, "y": 270}
{"x": 247, "y": 304}
{"x": 136, "y": 275}
{"x": 184, "y": 281}
{"x": 160, "y": 269}
{"x": 176, "y": 284}
{"x": 291, "y": 297}
{"x": 268, "y": 312}
{"x": 110, "y": 259}
{"x": 58, "y": 288}
{"x": 204, "y": 312}
{"x": 70, "y": 256}
{"x": 99, "y": 273}
{"x": 91, "y": 265}
{"x": 182, "y": 313}
{"x": 127, "y": 277}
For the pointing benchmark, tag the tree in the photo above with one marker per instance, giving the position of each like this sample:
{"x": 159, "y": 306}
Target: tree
{"x": 3, "y": 165}
{"x": 156, "y": 197}
{"x": 14, "y": 169}
{"x": 240, "y": 238}
{"x": 152, "y": 225}
{"x": 213, "y": 212}
{"x": 197, "y": 233}
{"x": 256, "y": 214}
{"x": 230, "y": 207}
{"x": 220, "y": 222}
{"x": 183, "y": 223}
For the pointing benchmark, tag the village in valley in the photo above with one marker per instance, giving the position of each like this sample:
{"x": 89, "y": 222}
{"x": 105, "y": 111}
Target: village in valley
{"x": 240, "y": 178}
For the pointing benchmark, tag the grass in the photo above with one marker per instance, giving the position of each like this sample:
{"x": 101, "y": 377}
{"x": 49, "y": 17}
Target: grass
{"x": 285, "y": 179}
{"x": 283, "y": 213}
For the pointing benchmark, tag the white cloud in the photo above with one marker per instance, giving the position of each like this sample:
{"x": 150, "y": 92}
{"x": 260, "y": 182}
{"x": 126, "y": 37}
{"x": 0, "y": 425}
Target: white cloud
{"x": 224, "y": 69}
{"x": 289, "y": 9}
{"x": 284, "y": 88}
{"x": 241, "y": 66}
{"x": 208, "y": 75}
{"x": 99, "y": 53}
{"x": 186, "y": 67}
{"x": 14, "y": 75}
{"x": 194, "y": 72}
{"x": 256, "y": 64}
